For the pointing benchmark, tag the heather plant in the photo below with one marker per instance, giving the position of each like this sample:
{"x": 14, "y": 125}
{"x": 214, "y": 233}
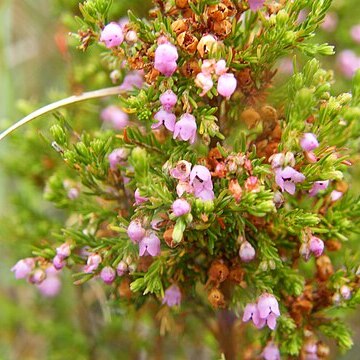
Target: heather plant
{"x": 209, "y": 192}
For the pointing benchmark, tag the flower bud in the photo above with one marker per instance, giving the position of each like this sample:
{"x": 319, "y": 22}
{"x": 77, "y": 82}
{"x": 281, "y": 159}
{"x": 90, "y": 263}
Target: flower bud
{"x": 204, "y": 82}
{"x": 37, "y": 276}
{"x": 23, "y": 268}
{"x": 92, "y": 263}
{"x": 246, "y": 252}
{"x": 316, "y": 246}
{"x": 63, "y": 251}
{"x": 122, "y": 268}
{"x": 135, "y": 231}
{"x": 112, "y": 35}
{"x": 59, "y": 262}
{"x": 138, "y": 198}
{"x": 108, "y": 275}
{"x": 180, "y": 207}
{"x": 226, "y": 85}
{"x": 309, "y": 142}
{"x": 165, "y": 59}
{"x": 168, "y": 100}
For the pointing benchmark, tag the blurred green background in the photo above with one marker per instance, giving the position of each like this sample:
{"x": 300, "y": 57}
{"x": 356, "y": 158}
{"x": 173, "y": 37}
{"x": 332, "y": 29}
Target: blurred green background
{"x": 39, "y": 65}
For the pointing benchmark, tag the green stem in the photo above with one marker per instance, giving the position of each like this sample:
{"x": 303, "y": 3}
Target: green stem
{"x": 61, "y": 103}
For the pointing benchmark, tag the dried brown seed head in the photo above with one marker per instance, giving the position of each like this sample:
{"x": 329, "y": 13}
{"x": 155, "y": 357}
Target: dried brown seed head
{"x": 222, "y": 28}
{"x": 218, "y": 271}
{"x": 179, "y": 26}
{"x": 250, "y": 117}
{"x": 217, "y": 12}
{"x": 187, "y": 41}
{"x": 216, "y": 298}
{"x": 324, "y": 267}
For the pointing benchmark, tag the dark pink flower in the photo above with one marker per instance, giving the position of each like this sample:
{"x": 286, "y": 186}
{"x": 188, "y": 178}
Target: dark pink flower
{"x": 200, "y": 179}
{"x": 185, "y": 128}
{"x": 226, "y": 85}
{"x": 115, "y": 116}
{"x": 108, "y": 275}
{"x": 288, "y": 178}
{"x": 309, "y": 142}
{"x": 316, "y": 246}
{"x": 112, "y": 35}
{"x": 165, "y": 59}
{"x": 318, "y": 186}
{"x": 180, "y": 207}
{"x": 165, "y": 118}
{"x": 149, "y": 245}
{"x": 168, "y": 100}
{"x": 251, "y": 312}
{"x": 172, "y": 296}
{"x": 267, "y": 304}
{"x": 255, "y": 5}
{"x": 58, "y": 262}
{"x": 271, "y": 352}
{"x": 23, "y": 268}
{"x": 135, "y": 231}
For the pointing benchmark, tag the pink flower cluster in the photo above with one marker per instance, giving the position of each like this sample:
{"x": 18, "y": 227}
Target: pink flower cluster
{"x": 47, "y": 281}
{"x": 108, "y": 273}
{"x": 184, "y": 129}
{"x": 264, "y": 312}
{"x": 195, "y": 181}
{"x": 226, "y": 82}
{"x": 165, "y": 116}
{"x": 149, "y": 243}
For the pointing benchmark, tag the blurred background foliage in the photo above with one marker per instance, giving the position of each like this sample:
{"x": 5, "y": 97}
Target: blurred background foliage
{"x": 39, "y": 63}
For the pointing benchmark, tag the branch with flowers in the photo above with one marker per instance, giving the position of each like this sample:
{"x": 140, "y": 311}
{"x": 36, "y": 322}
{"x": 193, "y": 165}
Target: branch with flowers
{"x": 213, "y": 190}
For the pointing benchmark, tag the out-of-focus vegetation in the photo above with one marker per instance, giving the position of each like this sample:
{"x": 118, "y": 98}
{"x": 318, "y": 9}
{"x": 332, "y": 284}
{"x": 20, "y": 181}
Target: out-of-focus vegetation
{"x": 39, "y": 64}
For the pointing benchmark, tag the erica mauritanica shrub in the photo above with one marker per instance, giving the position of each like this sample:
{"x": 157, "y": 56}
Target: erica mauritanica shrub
{"x": 216, "y": 194}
